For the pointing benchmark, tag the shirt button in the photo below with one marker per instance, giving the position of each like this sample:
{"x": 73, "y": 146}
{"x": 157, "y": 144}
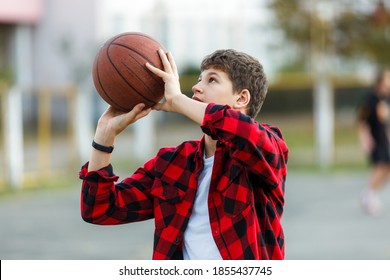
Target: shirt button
{"x": 219, "y": 143}
{"x": 177, "y": 240}
{"x": 216, "y": 231}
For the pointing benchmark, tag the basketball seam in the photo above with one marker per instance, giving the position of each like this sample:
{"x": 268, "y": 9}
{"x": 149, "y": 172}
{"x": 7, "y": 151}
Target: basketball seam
{"x": 134, "y": 33}
{"x": 154, "y": 78}
{"x": 128, "y": 68}
{"x": 123, "y": 78}
{"x": 102, "y": 87}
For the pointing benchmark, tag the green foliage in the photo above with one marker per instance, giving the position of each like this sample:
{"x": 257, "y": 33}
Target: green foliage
{"x": 7, "y": 76}
{"x": 187, "y": 81}
{"x": 190, "y": 70}
{"x": 188, "y": 77}
{"x": 6, "y": 71}
{"x": 345, "y": 28}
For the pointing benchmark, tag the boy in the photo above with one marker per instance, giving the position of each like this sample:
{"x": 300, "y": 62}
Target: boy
{"x": 220, "y": 197}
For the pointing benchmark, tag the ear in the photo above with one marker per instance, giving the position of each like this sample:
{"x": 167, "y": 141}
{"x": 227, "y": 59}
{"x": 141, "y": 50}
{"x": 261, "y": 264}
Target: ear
{"x": 242, "y": 99}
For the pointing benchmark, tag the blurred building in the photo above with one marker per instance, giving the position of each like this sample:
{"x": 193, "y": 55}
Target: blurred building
{"x": 192, "y": 29}
{"x": 43, "y": 44}
{"x": 46, "y": 45}
{"x": 46, "y": 42}
{"x": 58, "y": 39}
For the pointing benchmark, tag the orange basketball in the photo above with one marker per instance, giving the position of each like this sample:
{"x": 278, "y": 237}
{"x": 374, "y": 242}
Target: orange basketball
{"x": 119, "y": 72}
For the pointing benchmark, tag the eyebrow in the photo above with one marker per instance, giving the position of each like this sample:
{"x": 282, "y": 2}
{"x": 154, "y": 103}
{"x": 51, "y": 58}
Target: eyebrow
{"x": 210, "y": 74}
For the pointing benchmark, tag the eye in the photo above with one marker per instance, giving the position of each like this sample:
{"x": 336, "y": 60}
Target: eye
{"x": 212, "y": 80}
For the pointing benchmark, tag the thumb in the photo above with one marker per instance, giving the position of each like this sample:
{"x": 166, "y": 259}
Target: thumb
{"x": 159, "y": 106}
{"x": 138, "y": 112}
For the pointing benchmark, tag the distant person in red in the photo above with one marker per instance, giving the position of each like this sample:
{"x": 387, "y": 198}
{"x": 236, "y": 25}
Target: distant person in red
{"x": 220, "y": 197}
{"x": 374, "y": 136}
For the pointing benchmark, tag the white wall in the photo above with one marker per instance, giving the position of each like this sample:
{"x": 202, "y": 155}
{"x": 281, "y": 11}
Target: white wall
{"x": 64, "y": 41}
{"x": 192, "y": 29}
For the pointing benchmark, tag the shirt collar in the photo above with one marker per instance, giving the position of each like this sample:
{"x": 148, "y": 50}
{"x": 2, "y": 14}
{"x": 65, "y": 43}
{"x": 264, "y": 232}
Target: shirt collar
{"x": 200, "y": 150}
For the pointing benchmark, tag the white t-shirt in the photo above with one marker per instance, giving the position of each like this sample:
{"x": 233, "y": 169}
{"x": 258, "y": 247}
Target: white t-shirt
{"x": 199, "y": 243}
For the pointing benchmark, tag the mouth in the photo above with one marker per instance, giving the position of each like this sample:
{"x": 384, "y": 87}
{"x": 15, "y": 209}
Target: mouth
{"x": 196, "y": 99}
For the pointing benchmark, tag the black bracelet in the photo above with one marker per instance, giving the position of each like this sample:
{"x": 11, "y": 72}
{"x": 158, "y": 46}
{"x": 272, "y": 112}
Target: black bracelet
{"x": 102, "y": 148}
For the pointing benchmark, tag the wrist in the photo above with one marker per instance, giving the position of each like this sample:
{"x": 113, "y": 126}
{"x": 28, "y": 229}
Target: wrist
{"x": 104, "y": 137}
{"x": 102, "y": 148}
{"x": 179, "y": 103}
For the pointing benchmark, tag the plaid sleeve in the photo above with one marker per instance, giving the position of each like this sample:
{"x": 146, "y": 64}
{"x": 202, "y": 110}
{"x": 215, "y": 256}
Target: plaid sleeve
{"x": 105, "y": 202}
{"x": 260, "y": 147}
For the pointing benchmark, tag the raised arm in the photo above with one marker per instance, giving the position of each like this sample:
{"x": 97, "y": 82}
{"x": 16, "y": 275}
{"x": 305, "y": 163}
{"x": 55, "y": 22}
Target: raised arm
{"x": 259, "y": 147}
{"x": 110, "y": 124}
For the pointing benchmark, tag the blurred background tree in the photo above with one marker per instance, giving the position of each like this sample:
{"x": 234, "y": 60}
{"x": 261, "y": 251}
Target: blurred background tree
{"x": 350, "y": 30}
{"x": 329, "y": 40}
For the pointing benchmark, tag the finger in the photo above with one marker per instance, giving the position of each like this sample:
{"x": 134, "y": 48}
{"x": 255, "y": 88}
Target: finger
{"x": 160, "y": 73}
{"x": 166, "y": 63}
{"x": 136, "y": 113}
{"x": 138, "y": 108}
{"x": 153, "y": 69}
{"x": 143, "y": 113}
{"x": 172, "y": 63}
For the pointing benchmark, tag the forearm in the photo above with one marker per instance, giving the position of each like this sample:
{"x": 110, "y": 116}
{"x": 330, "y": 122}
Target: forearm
{"x": 190, "y": 108}
{"x": 252, "y": 144}
{"x": 99, "y": 159}
{"x": 110, "y": 124}
{"x": 104, "y": 202}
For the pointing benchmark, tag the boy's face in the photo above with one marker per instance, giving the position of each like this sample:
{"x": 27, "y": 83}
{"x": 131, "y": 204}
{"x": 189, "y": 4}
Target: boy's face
{"x": 214, "y": 86}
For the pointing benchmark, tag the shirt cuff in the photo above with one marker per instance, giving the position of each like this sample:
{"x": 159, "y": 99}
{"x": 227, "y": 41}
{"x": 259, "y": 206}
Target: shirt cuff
{"x": 105, "y": 174}
{"x": 213, "y": 114}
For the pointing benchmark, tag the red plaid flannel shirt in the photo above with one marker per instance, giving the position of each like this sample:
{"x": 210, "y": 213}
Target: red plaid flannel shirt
{"x": 246, "y": 196}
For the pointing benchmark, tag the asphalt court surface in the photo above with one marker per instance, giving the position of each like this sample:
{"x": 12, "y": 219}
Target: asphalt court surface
{"x": 322, "y": 221}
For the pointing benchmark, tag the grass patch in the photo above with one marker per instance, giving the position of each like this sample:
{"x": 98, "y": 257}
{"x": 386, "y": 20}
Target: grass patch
{"x": 33, "y": 183}
{"x": 299, "y": 133}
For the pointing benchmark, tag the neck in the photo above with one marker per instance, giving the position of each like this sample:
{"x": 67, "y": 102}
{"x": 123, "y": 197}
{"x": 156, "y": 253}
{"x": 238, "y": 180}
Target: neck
{"x": 210, "y": 146}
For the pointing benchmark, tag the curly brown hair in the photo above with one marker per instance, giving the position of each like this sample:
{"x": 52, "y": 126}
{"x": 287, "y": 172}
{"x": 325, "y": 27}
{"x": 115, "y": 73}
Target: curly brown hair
{"x": 245, "y": 72}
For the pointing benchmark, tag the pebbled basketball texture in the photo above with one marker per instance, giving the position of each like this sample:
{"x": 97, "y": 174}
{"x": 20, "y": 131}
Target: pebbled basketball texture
{"x": 119, "y": 72}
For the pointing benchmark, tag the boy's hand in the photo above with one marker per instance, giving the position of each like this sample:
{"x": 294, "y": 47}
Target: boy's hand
{"x": 175, "y": 101}
{"x": 112, "y": 122}
{"x": 170, "y": 76}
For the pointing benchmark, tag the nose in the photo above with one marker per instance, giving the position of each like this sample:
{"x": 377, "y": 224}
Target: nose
{"x": 196, "y": 88}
